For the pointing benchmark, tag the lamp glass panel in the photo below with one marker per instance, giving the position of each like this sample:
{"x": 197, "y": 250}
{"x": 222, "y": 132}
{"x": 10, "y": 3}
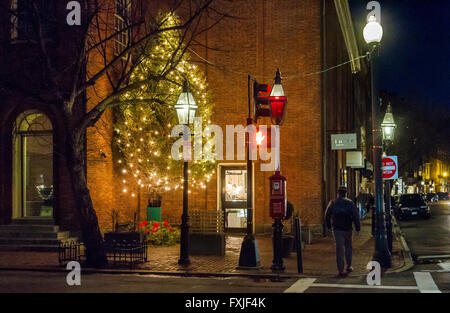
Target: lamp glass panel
{"x": 182, "y": 113}
{"x": 277, "y": 91}
{"x": 373, "y": 32}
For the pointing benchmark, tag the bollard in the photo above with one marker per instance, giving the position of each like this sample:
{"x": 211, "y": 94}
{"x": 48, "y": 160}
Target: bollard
{"x": 374, "y": 219}
{"x": 298, "y": 238}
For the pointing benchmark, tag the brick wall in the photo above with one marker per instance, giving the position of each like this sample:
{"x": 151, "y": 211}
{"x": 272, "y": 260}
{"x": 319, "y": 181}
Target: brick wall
{"x": 264, "y": 36}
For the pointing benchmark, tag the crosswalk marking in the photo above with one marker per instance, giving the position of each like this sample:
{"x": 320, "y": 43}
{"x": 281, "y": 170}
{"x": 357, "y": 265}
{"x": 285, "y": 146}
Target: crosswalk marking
{"x": 300, "y": 285}
{"x": 303, "y": 284}
{"x": 426, "y": 283}
{"x": 365, "y": 286}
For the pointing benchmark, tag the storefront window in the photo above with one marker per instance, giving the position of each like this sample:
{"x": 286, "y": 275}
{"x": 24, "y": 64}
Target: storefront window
{"x": 234, "y": 197}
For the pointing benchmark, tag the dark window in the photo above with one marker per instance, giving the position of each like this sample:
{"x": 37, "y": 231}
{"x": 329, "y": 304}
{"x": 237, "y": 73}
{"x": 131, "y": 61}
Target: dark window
{"x": 25, "y": 20}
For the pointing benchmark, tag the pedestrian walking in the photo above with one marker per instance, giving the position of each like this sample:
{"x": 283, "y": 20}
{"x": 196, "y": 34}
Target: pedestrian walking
{"x": 340, "y": 215}
{"x": 361, "y": 202}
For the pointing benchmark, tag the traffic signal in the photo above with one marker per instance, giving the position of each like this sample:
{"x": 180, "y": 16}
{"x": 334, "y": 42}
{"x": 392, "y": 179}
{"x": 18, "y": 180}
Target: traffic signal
{"x": 261, "y": 94}
{"x": 263, "y": 138}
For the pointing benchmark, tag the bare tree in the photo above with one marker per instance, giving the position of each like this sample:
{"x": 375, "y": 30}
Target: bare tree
{"x": 113, "y": 35}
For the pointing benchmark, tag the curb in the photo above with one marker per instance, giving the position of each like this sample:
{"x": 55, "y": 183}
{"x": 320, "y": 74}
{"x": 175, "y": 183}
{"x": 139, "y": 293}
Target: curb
{"x": 407, "y": 256}
{"x": 160, "y": 273}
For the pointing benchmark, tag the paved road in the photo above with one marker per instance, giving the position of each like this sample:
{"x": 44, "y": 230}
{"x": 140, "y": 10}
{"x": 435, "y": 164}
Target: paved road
{"x": 50, "y": 282}
{"x": 433, "y": 278}
{"x": 429, "y": 237}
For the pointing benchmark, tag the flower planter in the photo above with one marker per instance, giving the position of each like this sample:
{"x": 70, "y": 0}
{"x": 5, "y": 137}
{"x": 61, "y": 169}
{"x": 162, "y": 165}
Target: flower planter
{"x": 154, "y": 214}
{"x": 207, "y": 244}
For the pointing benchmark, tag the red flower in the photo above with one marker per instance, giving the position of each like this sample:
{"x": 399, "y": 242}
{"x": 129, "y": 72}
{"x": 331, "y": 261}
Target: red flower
{"x": 166, "y": 223}
{"x": 143, "y": 223}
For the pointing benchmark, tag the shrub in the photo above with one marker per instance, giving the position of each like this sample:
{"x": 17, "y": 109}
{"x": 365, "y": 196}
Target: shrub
{"x": 162, "y": 236}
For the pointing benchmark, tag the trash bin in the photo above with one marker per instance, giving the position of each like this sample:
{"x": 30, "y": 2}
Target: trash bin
{"x": 154, "y": 214}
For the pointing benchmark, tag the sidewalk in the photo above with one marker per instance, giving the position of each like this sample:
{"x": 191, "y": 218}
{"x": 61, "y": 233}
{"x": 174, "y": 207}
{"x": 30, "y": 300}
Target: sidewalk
{"x": 318, "y": 258}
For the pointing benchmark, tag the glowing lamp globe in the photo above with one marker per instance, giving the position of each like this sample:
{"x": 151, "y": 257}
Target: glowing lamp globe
{"x": 373, "y": 32}
{"x": 277, "y": 100}
{"x": 388, "y": 125}
{"x": 186, "y": 106}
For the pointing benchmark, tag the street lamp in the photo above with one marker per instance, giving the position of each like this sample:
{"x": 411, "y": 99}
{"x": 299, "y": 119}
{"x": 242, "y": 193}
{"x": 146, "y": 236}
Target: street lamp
{"x": 186, "y": 106}
{"x": 373, "y": 32}
{"x": 277, "y": 100}
{"x": 186, "y": 109}
{"x": 388, "y": 126}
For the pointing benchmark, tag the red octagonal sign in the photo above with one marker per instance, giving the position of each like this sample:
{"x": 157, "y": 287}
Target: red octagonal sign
{"x": 390, "y": 167}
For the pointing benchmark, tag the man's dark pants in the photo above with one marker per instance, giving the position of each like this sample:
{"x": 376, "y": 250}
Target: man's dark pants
{"x": 343, "y": 248}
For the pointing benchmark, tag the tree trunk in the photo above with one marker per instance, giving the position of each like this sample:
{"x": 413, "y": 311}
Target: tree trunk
{"x": 92, "y": 237}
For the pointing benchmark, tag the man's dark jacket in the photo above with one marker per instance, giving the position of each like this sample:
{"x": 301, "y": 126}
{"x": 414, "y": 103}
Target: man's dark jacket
{"x": 341, "y": 213}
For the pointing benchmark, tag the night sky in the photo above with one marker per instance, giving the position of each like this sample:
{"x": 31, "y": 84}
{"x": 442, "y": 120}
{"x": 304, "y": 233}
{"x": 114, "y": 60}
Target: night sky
{"x": 414, "y": 59}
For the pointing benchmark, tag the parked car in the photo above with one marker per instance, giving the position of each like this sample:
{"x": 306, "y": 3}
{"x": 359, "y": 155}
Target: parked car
{"x": 443, "y": 195}
{"x": 431, "y": 197}
{"x": 412, "y": 205}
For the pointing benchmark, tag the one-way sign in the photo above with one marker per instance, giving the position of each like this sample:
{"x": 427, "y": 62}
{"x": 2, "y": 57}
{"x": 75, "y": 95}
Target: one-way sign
{"x": 390, "y": 167}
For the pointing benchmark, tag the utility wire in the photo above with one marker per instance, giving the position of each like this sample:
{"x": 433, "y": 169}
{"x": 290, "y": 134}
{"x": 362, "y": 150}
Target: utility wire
{"x": 227, "y": 69}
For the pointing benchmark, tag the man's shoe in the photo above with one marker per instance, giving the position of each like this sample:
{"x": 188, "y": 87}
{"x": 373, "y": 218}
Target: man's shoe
{"x": 342, "y": 274}
{"x": 350, "y": 269}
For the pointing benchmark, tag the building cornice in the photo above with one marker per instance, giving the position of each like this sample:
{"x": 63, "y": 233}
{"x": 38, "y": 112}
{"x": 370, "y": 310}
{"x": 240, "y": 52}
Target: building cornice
{"x": 348, "y": 32}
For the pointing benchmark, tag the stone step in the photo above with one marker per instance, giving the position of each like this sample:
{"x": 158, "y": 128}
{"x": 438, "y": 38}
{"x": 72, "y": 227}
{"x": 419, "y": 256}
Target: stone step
{"x": 33, "y": 221}
{"x": 28, "y": 228}
{"x": 33, "y": 241}
{"x": 26, "y": 233}
{"x": 40, "y": 248}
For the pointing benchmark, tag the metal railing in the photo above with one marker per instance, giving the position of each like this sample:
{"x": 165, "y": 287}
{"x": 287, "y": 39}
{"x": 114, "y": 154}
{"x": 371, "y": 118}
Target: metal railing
{"x": 126, "y": 253}
{"x": 70, "y": 251}
{"x": 120, "y": 253}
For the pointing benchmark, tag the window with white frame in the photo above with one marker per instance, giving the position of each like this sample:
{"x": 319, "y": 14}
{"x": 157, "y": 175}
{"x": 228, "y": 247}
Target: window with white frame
{"x": 122, "y": 25}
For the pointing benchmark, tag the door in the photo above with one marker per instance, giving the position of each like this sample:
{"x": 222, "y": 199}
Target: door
{"x": 33, "y": 166}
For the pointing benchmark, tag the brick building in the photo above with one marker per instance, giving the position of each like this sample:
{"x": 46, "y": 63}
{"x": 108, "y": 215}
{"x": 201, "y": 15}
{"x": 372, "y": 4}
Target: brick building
{"x": 301, "y": 38}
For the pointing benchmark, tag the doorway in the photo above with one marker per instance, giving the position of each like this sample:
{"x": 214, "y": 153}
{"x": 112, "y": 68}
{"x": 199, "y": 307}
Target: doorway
{"x": 33, "y": 166}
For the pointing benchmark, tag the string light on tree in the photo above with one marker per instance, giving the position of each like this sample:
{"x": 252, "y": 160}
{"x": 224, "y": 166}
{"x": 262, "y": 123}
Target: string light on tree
{"x": 144, "y": 120}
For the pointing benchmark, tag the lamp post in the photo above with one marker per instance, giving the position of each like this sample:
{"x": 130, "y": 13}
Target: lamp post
{"x": 278, "y": 201}
{"x": 249, "y": 255}
{"x": 388, "y": 126}
{"x": 186, "y": 109}
{"x": 373, "y": 32}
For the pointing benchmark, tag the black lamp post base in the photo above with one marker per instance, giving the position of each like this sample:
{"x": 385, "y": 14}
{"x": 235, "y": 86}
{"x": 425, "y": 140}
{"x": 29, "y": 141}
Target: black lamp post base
{"x": 184, "y": 262}
{"x": 277, "y": 268}
{"x": 383, "y": 257}
{"x": 277, "y": 263}
{"x": 249, "y": 256}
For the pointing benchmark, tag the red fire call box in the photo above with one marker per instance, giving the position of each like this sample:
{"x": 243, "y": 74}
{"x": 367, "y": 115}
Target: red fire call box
{"x": 277, "y": 196}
